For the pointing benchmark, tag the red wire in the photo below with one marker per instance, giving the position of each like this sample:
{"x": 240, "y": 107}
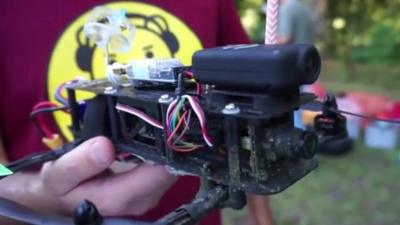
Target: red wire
{"x": 44, "y": 104}
{"x": 42, "y": 126}
{"x": 189, "y": 74}
{"x": 41, "y": 122}
{"x": 198, "y": 89}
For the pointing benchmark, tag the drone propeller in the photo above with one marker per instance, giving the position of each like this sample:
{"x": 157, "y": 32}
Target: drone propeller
{"x": 110, "y": 28}
{"x": 329, "y": 106}
{"x": 314, "y": 106}
{"x": 21, "y": 213}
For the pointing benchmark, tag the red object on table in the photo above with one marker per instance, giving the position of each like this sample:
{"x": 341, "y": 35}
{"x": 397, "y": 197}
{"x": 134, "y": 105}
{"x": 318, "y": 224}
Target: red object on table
{"x": 396, "y": 111}
{"x": 371, "y": 104}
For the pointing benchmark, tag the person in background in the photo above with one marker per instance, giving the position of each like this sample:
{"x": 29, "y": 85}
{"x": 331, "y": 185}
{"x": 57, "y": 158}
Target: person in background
{"x": 260, "y": 210}
{"x": 296, "y": 26}
{"x": 296, "y": 23}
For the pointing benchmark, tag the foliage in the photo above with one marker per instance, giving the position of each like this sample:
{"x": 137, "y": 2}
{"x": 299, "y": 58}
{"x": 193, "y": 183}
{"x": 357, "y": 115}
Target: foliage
{"x": 370, "y": 31}
{"x": 382, "y": 78}
{"x": 253, "y": 18}
{"x": 381, "y": 48}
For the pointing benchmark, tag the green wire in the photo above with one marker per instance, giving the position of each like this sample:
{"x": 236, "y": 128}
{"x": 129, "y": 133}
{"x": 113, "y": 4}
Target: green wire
{"x": 176, "y": 113}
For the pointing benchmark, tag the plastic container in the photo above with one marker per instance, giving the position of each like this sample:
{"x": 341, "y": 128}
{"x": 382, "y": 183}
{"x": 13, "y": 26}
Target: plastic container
{"x": 298, "y": 122}
{"x": 354, "y": 127}
{"x": 382, "y": 135}
{"x": 353, "y": 123}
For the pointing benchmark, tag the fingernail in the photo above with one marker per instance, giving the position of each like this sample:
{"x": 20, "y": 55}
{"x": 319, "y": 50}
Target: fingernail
{"x": 98, "y": 154}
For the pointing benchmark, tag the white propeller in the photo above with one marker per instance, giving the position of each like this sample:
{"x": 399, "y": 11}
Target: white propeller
{"x": 110, "y": 30}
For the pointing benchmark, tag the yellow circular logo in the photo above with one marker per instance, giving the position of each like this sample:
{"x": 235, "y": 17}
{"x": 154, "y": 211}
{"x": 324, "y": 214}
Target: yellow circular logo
{"x": 159, "y": 34}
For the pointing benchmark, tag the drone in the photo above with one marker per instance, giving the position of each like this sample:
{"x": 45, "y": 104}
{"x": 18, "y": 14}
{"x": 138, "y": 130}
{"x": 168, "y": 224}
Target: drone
{"x": 227, "y": 118}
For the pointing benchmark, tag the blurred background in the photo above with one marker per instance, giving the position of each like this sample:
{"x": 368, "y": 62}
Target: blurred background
{"x": 360, "y": 42}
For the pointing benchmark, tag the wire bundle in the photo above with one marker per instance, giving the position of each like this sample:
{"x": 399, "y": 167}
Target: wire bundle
{"x": 190, "y": 75}
{"x": 40, "y": 122}
{"x": 49, "y": 138}
{"x": 178, "y": 120}
{"x": 59, "y": 95}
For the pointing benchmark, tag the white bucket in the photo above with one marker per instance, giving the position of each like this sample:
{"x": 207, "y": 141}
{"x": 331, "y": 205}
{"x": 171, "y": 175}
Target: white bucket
{"x": 382, "y": 135}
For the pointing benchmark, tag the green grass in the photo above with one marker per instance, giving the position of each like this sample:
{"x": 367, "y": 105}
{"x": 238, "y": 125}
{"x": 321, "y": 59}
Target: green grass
{"x": 378, "y": 78}
{"x": 362, "y": 187}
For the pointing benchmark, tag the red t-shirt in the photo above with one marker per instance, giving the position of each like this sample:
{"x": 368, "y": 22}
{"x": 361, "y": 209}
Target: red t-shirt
{"x": 41, "y": 44}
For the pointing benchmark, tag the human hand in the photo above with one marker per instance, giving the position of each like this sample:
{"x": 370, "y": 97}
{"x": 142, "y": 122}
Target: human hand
{"x": 82, "y": 174}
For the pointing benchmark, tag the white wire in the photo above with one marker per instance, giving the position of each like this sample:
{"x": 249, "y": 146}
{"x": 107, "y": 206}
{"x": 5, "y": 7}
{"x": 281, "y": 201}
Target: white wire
{"x": 139, "y": 114}
{"x": 170, "y": 107}
{"x": 187, "y": 121}
{"x": 197, "y": 109}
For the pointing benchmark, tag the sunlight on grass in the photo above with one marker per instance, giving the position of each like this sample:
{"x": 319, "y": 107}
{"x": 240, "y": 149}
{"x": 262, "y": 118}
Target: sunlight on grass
{"x": 378, "y": 78}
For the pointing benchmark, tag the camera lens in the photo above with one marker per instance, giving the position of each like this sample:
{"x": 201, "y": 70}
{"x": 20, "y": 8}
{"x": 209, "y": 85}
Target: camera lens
{"x": 310, "y": 64}
{"x": 307, "y": 145}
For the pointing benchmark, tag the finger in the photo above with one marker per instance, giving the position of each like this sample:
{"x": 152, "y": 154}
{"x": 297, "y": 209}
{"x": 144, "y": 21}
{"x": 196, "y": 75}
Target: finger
{"x": 131, "y": 193}
{"x": 84, "y": 162}
{"x": 122, "y": 167}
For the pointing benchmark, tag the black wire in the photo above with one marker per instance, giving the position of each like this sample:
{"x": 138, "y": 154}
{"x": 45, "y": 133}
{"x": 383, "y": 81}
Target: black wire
{"x": 179, "y": 90}
{"x": 40, "y": 158}
{"x": 42, "y": 111}
{"x": 47, "y": 110}
{"x": 316, "y": 106}
{"x": 34, "y": 159}
{"x": 363, "y": 116}
{"x": 11, "y": 209}
{"x": 45, "y": 156}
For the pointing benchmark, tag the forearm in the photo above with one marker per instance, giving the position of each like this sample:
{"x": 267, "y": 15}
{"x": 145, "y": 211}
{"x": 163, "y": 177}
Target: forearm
{"x": 260, "y": 210}
{"x": 21, "y": 189}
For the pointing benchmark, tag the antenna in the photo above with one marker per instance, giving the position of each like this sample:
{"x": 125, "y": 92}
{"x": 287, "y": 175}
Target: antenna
{"x": 271, "y": 25}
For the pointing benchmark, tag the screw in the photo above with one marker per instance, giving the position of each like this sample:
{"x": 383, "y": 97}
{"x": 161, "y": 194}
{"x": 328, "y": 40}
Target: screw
{"x": 165, "y": 99}
{"x": 231, "y": 109}
{"x": 110, "y": 90}
{"x": 230, "y": 106}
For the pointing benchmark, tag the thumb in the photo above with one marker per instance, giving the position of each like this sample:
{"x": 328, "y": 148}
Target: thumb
{"x": 82, "y": 163}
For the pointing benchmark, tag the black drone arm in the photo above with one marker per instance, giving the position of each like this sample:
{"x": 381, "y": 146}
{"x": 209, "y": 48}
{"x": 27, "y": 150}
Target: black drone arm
{"x": 209, "y": 198}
